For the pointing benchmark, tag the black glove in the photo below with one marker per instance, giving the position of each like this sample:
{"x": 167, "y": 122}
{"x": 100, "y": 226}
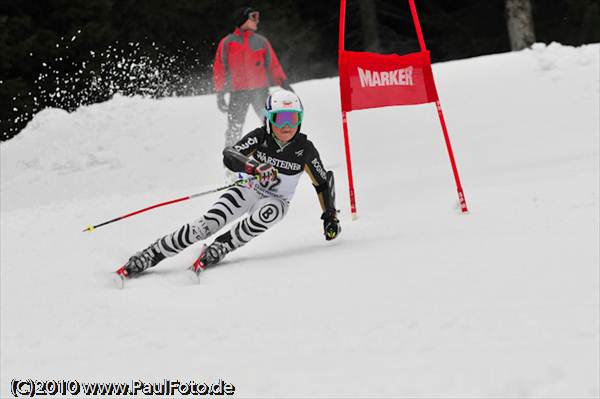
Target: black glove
{"x": 331, "y": 224}
{"x": 285, "y": 85}
{"x": 264, "y": 172}
{"x": 221, "y": 104}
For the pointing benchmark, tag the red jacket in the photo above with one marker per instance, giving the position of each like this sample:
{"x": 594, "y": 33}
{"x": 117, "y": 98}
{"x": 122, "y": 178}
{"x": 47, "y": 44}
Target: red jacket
{"x": 246, "y": 61}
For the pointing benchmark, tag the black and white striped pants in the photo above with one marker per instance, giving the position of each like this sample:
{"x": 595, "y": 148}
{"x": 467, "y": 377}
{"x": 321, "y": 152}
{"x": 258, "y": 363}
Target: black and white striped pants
{"x": 263, "y": 212}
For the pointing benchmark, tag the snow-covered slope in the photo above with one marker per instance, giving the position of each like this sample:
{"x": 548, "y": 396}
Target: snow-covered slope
{"x": 413, "y": 299}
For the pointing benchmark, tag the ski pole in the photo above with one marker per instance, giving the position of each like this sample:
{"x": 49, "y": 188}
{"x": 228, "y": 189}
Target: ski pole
{"x": 240, "y": 182}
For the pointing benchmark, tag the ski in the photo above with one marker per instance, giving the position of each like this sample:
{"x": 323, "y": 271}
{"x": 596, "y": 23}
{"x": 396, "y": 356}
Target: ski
{"x": 119, "y": 277}
{"x": 197, "y": 267}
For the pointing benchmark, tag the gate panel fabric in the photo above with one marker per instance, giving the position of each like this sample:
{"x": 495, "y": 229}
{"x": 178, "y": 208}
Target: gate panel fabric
{"x": 371, "y": 80}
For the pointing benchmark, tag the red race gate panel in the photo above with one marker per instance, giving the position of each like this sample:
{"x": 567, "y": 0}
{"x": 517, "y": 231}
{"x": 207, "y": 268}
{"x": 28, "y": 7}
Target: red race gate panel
{"x": 371, "y": 80}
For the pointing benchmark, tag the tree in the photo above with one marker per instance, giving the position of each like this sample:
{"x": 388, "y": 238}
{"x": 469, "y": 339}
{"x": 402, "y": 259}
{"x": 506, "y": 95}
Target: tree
{"x": 368, "y": 16}
{"x": 519, "y": 21}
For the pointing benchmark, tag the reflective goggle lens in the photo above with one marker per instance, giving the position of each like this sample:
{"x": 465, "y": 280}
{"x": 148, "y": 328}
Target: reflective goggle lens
{"x": 282, "y": 118}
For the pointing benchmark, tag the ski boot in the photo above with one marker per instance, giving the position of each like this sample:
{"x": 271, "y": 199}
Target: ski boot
{"x": 139, "y": 262}
{"x": 209, "y": 255}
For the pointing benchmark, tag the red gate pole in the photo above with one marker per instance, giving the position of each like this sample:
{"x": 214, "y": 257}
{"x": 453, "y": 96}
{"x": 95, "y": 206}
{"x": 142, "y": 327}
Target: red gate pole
{"x": 461, "y": 196}
{"x": 349, "y": 168}
{"x": 344, "y": 119}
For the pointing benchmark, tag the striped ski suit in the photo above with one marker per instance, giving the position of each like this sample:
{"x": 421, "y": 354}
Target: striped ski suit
{"x": 263, "y": 213}
{"x": 265, "y": 205}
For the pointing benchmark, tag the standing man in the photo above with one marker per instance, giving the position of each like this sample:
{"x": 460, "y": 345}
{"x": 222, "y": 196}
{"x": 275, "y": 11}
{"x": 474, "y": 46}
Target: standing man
{"x": 245, "y": 66}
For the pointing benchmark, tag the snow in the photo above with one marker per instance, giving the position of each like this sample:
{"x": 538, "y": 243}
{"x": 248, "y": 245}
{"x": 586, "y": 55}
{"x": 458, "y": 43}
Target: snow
{"x": 414, "y": 299}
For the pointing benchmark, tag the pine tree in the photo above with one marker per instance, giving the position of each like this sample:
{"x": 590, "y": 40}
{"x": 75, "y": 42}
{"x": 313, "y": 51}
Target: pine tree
{"x": 370, "y": 27}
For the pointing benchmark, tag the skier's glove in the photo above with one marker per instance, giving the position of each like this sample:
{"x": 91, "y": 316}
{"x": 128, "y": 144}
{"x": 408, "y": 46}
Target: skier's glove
{"x": 221, "y": 104}
{"x": 264, "y": 172}
{"x": 286, "y": 85}
{"x": 331, "y": 224}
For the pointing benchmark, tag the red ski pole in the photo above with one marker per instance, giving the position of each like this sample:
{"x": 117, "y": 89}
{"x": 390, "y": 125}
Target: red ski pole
{"x": 240, "y": 182}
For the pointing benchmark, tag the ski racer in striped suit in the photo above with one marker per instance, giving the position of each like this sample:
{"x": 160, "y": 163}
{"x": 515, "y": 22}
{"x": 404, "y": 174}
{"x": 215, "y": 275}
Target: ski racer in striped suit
{"x": 273, "y": 158}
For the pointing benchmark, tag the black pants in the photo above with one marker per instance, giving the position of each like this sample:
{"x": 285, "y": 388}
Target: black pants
{"x": 238, "y": 107}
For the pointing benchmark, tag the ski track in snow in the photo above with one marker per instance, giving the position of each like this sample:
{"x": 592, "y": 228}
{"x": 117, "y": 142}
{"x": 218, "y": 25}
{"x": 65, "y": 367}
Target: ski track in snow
{"x": 413, "y": 299}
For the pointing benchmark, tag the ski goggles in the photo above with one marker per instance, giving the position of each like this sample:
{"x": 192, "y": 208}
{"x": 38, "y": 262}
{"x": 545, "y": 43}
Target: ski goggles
{"x": 254, "y": 16}
{"x": 292, "y": 118}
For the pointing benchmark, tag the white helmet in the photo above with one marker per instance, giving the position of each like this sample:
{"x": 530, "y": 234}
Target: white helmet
{"x": 287, "y": 103}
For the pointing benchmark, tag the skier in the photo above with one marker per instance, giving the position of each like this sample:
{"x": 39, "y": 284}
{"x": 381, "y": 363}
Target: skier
{"x": 245, "y": 66}
{"x": 272, "y": 157}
